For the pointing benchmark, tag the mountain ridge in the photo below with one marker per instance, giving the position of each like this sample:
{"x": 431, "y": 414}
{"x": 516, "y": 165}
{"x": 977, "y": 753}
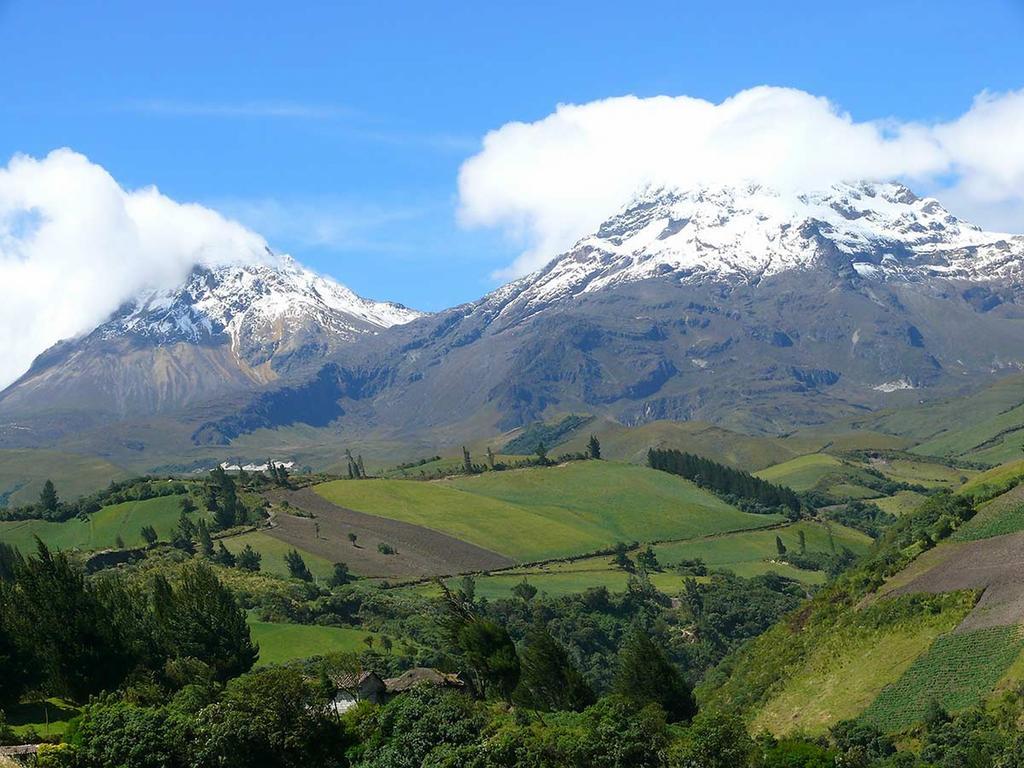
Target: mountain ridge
{"x": 739, "y": 305}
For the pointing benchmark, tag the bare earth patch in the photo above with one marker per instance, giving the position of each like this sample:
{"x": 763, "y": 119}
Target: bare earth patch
{"x": 420, "y": 552}
{"x": 995, "y": 565}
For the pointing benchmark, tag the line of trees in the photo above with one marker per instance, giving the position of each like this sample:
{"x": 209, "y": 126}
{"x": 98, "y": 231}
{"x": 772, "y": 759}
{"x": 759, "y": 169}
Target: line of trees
{"x": 51, "y": 507}
{"x": 724, "y": 480}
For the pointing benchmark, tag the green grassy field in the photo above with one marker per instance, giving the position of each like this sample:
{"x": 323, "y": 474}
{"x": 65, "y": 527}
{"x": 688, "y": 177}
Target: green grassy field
{"x": 447, "y": 464}
{"x": 995, "y": 517}
{"x": 101, "y": 529}
{"x": 280, "y": 643}
{"x": 984, "y": 426}
{"x": 48, "y": 717}
{"x": 558, "y": 579}
{"x": 926, "y": 473}
{"x": 273, "y": 552}
{"x": 845, "y": 671}
{"x": 631, "y": 444}
{"x": 23, "y": 472}
{"x": 900, "y": 503}
{"x": 958, "y": 670}
{"x": 748, "y": 553}
{"x": 535, "y": 514}
{"x": 803, "y": 472}
{"x": 994, "y": 481}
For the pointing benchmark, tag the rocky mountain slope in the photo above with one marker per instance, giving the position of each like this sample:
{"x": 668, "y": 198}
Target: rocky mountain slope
{"x": 226, "y": 330}
{"x": 738, "y": 305}
{"x": 746, "y": 306}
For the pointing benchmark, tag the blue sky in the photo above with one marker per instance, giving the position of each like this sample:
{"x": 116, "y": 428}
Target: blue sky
{"x": 337, "y": 130}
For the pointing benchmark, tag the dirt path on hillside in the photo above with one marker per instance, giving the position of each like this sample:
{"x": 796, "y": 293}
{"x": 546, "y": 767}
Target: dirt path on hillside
{"x": 995, "y": 565}
{"x": 421, "y": 552}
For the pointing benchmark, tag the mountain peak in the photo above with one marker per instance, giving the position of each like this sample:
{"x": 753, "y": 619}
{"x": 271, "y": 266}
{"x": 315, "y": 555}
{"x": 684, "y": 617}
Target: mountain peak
{"x": 251, "y": 300}
{"x": 744, "y": 233}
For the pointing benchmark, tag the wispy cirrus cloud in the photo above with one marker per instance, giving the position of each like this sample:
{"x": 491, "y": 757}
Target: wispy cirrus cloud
{"x": 356, "y": 125}
{"x": 242, "y": 109}
{"x": 332, "y": 223}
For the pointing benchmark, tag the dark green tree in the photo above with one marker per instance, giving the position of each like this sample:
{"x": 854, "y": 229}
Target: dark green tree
{"x": 340, "y": 575}
{"x": 148, "y": 533}
{"x": 224, "y": 556}
{"x": 273, "y": 717}
{"x": 484, "y": 645}
{"x": 204, "y": 538}
{"x": 48, "y": 500}
{"x": 621, "y": 557}
{"x": 542, "y": 453}
{"x": 802, "y": 542}
{"x": 713, "y": 740}
{"x": 249, "y": 559}
{"x": 467, "y": 461}
{"x": 352, "y": 538}
{"x": 549, "y": 681}
{"x": 594, "y": 447}
{"x": 647, "y": 560}
{"x": 200, "y": 619}
{"x": 64, "y": 628}
{"x": 646, "y": 675}
{"x": 780, "y": 547}
{"x": 297, "y": 566}
{"x": 187, "y": 505}
{"x": 524, "y": 590}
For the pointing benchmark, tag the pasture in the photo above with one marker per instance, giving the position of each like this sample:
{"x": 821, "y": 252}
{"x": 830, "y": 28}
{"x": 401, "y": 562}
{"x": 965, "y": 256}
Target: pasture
{"x": 281, "y": 643}
{"x": 101, "y": 529}
{"x": 536, "y": 514}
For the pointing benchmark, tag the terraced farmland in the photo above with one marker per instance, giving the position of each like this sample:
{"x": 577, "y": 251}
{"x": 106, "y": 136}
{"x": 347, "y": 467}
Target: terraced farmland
{"x": 958, "y": 670}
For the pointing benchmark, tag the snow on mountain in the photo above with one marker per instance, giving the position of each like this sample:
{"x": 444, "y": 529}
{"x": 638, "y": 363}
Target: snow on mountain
{"x": 254, "y": 302}
{"x": 746, "y": 233}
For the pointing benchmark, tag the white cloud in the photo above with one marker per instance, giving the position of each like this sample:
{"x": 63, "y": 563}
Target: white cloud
{"x": 551, "y": 181}
{"x": 74, "y": 246}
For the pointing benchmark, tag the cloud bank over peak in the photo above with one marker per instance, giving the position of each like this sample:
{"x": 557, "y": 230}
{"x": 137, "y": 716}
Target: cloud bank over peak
{"x": 75, "y": 245}
{"x": 551, "y": 181}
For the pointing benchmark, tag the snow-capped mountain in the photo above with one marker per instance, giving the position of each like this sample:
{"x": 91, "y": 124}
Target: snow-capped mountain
{"x": 743, "y": 234}
{"x": 751, "y": 307}
{"x": 252, "y": 303}
{"x": 225, "y": 330}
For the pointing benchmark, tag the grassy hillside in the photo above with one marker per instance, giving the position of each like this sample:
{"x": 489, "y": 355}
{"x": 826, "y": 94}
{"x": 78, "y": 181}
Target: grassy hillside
{"x": 273, "y": 552}
{"x": 23, "y": 472}
{"x": 830, "y": 660}
{"x": 101, "y": 529}
{"x": 630, "y": 444}
{"x": 958, "y": 670}
{"x": 992, "y": 482}
{"x": 557, "y": 579}
{"x": 280, "y": 643}
{"x": 900, "y": 503}
{"x": 987, "y": 425}
{"x": 844, "y": 672}
{"x": 803, "y": 472}
{"x": 534, "y": 514}
{"x": 750, "y": 553}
